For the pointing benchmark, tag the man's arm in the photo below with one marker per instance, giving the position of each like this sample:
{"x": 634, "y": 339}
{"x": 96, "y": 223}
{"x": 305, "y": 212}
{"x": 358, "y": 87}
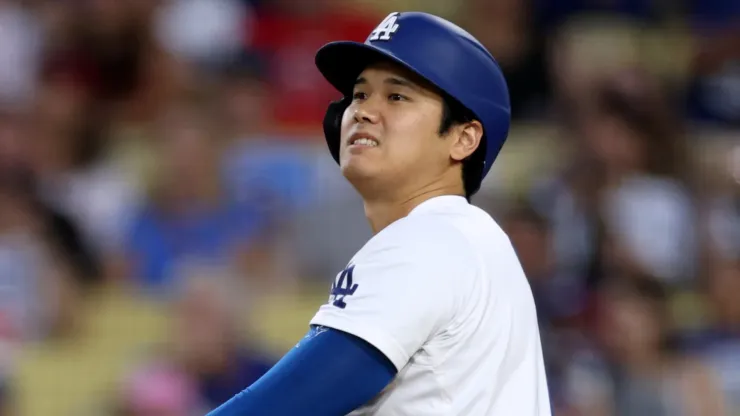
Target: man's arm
{"x": 328, "y": 373}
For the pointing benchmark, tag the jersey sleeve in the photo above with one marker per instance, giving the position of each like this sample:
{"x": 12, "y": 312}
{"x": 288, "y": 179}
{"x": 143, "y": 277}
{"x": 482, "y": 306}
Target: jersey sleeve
{"x": 329, "y": 372}
{"x": 396, "y": 293}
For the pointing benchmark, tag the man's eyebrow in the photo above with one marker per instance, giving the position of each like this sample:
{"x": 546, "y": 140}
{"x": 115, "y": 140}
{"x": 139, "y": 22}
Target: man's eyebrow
{"x": 397, "y": 81}
{"x": 402, "y": 82}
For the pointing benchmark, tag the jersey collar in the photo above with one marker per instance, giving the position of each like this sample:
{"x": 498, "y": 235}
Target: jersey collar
{"x": 444, "y": 201}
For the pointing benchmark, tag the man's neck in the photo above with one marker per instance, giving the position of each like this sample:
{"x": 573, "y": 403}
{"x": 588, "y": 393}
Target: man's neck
{"x": 384, "y": 212}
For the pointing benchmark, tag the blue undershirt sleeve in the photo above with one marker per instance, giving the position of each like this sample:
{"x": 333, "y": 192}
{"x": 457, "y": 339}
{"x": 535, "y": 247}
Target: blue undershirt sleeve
{"x": 329, "y": 373}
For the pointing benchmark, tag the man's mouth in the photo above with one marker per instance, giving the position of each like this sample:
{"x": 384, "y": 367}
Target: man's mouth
{"x": 363, "y": 141}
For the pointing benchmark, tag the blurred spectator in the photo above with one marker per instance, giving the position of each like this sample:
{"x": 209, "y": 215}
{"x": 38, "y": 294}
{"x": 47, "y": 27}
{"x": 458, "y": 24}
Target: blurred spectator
{"x": 102, "y": 43}
{"x": 715, "y": 82}
{"x": 156, "y": 389}
{"x": 207, "y": 33}
{"x": 637, "y": 371}
{"x": 507, "y": 29}
{"x": 45, "y": 265}
{"x": 530, "y": 234}
{"x": 209, "y": 355}
{"x": 262, "y": 166}
{"x": 557, "y": 302}
{"x": 626, "y": 200}
{"x": 75, "y": 175}
{"x": 189, "y": 216}
{"x": 209, "y": 329}
{"x": 648, "y": 204}
{"x": 244, "y": 92}
{"x": 132, "y": 132}
{"x": 21, "y": 45}
{"x": 114, "y": 37}
{"x": 719, "y": 344}
{"x": 581, "y": 51}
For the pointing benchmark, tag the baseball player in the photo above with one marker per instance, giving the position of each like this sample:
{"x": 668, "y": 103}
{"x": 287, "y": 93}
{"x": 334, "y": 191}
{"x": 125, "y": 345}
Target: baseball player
{"x": 434, "y": 315}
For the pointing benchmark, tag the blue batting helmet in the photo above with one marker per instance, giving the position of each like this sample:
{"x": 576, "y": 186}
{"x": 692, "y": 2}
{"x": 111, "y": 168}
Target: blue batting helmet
{"x": 438, "y": 51}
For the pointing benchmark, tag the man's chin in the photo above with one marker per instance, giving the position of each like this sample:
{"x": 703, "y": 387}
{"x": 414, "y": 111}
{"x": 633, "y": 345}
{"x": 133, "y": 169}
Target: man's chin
{"x": 359, "y": 173}
{"x": 354, "y": 169}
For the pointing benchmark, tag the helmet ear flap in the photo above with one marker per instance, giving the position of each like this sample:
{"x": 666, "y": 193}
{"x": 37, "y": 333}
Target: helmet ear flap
{"x": 333, "y": 125}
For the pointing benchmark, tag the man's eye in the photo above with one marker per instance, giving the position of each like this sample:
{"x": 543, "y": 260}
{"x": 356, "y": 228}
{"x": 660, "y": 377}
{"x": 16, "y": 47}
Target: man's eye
{"x": 396, "y": 97}
{"x": 359, "y": 96}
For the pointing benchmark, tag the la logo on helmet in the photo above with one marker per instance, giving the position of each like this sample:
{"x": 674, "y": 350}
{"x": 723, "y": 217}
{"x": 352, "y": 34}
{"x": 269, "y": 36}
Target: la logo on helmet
{"x": 386, "y": 28}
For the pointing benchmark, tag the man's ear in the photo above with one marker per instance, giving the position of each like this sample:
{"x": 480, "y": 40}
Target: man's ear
{"x": 467, "y": 138}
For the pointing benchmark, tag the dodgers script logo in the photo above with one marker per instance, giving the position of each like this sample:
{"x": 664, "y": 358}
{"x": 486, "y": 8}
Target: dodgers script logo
{"x": 386, "y": 28}
{"x": 343, "y": 287}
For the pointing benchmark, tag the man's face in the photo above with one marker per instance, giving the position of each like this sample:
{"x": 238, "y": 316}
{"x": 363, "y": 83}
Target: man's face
{"x": 390, "y": 130}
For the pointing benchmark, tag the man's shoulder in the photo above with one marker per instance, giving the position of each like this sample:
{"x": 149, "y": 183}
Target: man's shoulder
{"x": 428, "y": 233}
{"x": 418, "y": 244}
{"x": 460, "y": 228}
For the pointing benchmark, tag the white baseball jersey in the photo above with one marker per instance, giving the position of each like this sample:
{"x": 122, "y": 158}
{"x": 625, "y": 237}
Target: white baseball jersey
{"x": 442, "y": 294}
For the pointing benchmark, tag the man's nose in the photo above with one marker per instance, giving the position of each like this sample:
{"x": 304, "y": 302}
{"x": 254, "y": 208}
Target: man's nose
{"x": 366, "y": 112}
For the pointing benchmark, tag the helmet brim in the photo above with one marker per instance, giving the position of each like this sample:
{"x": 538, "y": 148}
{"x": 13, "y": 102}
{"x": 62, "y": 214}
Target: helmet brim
{"x": 343, "y": 61}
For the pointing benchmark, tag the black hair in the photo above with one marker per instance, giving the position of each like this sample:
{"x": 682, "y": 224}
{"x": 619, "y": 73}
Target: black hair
{"x": 649, "y": 290}
{"x": 523, "y": 211}
{"x": 649, "y": 113}
{"x": 454, "y": 113}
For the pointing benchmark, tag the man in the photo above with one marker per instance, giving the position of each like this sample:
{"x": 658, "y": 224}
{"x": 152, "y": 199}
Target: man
{"x": 434, "y": 315}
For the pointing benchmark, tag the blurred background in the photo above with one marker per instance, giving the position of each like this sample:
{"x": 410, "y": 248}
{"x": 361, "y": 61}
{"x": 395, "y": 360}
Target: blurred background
{"x": 170, "y": 218}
